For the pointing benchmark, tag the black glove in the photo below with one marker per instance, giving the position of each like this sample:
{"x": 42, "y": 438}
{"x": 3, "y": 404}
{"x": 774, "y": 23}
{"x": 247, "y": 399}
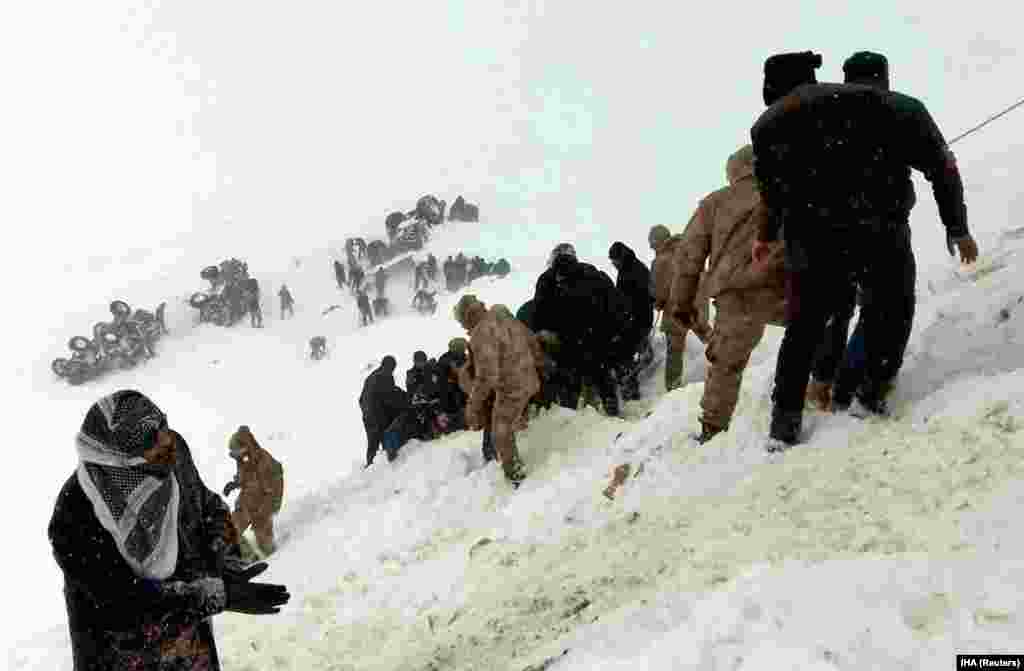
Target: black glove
{"x": 237, "y": 570}
{"x": 255, "y": 598}
{"x": 230, "y": 487}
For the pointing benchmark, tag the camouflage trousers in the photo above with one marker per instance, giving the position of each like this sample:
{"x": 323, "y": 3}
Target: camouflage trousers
{"x": 502, "y": 416}
{"x": 737, "y": 331}
{"x": 262, "y": 523}
{"x": 675, "y": 348}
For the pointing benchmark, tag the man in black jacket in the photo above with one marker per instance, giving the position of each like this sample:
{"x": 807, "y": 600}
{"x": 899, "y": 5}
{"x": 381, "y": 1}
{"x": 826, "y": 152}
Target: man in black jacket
{"x": 634, "y": 281}
{"x": 148, "y": 552}
{"x": 837, "y": 192}
{"x": 452, "y": 398}
{"x": 591, "y": 318}
{"x": 417, "y": 378}
{"x": 377, "y": 402}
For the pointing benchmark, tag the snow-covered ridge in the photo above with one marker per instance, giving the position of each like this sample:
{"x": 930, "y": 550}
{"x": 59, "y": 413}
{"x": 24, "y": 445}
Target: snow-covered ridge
{"x": 876, "y": 543}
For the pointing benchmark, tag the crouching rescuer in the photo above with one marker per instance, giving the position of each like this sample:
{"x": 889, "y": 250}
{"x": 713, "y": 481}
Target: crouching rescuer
{"x": 260, "y": 478}
{"x": 501, "y": 356}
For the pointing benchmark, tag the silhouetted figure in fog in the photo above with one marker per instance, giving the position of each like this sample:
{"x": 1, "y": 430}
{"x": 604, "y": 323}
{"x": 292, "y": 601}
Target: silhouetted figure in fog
{"x": 365, "y": 313}
{"x": 339, "y": 274}
{"x": 287, "y": 302}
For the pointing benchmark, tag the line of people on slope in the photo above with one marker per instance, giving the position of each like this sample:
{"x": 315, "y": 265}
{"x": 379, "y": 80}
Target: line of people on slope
{"x": 778, "y": 245}
{"x": 460, "y": 271}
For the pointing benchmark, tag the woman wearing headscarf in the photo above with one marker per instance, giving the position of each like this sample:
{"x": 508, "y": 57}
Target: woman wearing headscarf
{"x": 145, "y": 547}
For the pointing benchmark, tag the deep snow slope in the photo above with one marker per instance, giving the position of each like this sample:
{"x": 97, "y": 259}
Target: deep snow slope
{"x": 877, "y": 544}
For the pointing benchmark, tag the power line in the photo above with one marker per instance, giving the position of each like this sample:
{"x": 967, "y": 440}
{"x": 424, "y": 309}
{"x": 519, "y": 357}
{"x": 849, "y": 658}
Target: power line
{"x": 987, "y": 121}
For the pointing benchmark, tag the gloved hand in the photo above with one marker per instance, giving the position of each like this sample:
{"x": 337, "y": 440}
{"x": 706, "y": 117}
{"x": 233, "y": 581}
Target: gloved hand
{"x": 236, "y": 570}
{"x": 230, "y": 487}
{"x": 255, "y": 598}
{"x": 967, "y": 247}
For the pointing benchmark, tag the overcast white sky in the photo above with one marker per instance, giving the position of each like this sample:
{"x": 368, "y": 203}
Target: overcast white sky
{"x": 128, "y": 125}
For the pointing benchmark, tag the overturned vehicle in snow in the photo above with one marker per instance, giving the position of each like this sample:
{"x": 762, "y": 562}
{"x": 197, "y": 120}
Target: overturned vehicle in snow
{"x": 124, "y": 342}
{"x": 231, "y": 296}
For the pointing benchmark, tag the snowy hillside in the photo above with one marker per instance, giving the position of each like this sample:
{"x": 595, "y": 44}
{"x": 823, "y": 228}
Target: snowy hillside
{"x": 144, "y": 141}
{"x": 875, "y": 545}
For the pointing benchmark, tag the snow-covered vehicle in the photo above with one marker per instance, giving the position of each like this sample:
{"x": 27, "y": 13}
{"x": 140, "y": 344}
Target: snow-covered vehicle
{"x": 429, "y": 210}
{"x": 231, "y": 293}
{"x": 122, "y": 343}
{"x": 410, "y": 237}
{"x": 462, "y": 210}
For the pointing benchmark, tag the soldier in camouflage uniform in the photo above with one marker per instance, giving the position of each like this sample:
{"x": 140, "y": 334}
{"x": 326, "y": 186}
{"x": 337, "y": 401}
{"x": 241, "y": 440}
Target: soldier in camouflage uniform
{"x": 720, "y": 234}
{"x": 260, "y": 478}
{"x": 664, "y": 246}
{"x": 504, "y": 377}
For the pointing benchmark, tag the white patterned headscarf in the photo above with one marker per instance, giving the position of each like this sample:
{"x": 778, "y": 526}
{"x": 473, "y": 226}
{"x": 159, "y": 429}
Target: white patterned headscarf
{"x": 135, "y": 501}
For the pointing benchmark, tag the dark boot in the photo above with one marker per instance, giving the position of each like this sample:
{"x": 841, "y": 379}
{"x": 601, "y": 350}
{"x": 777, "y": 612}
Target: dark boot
{"x": 785, "y": 429}
{"x": 515, "y": 473}
{"x": 707, "y": 432}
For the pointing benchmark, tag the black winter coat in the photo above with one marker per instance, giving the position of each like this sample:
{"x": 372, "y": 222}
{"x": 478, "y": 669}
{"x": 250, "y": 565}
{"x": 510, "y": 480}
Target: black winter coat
{"x": 634, "y": 281}
{"x": 118, "y": 619}
{"x": 378, "y": 398}
{"x": 525, "y": 314}
{"x": 589, "y": 314}
{"x": 423, "y": 381}
{"x": 453, "y": 399}
{"x": 856, "y": 167}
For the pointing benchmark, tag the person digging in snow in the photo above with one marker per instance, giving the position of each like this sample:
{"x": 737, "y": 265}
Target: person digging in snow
{"x": 148, "y": 553}
{"x": 504, "y": 378}
{"x": 260, "y": 477}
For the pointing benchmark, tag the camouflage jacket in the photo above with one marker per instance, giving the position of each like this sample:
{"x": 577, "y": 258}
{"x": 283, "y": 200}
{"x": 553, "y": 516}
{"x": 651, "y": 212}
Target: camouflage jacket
{"x": 503, "y": 352}
{"x": 260, "y": 477}
{"x": 721, "y": 234}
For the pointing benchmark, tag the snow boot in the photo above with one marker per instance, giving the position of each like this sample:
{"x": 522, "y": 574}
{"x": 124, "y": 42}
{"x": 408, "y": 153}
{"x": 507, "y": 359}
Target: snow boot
{"x": 863, "y": 408}
{"x": 619, "y": 476}
{"x": 515, "y": 473}
{"x": 784, "y": 431}
{"x": 707, "y": 432}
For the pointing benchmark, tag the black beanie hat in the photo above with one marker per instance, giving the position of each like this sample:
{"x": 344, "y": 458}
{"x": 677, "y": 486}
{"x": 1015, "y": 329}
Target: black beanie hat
{"x": 388, "y": 362}
{"x": 419, "y": 356}
{"x": 564, "y": 264}
{"x": 867, "y": 67}
{"x": 617, "y": 251}
{"x": 784, "y": 72}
